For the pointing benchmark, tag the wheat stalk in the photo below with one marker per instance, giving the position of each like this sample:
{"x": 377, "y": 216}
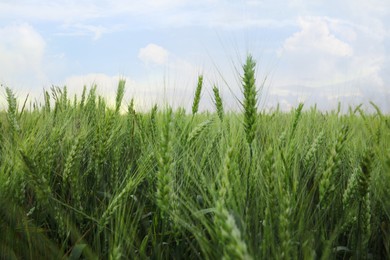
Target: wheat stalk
{"x": 250, "y": 113}
{"x": 131, "y": 184}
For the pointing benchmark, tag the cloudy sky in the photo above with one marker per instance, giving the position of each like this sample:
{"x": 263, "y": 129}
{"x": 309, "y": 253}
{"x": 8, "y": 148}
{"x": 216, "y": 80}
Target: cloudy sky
{"x": 314, "y": 51}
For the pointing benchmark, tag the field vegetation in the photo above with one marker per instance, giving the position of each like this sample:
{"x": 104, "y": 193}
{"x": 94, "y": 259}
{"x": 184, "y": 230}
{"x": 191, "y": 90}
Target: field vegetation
{"x": 82, "y": 180}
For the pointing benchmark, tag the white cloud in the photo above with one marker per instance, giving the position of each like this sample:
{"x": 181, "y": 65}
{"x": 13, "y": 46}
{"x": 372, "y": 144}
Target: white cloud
{"x": 179, "y": 13}
{"x": 282, "y": 92}
{"x": 345, "y": 95}
{"x": 22, "y": 51}
{"x": 315, "y": 35}
{"x": 153, "y": 54}
{"x": 50, "y": 10}
{"x": 148, "y": 13}
{"x": 316, "y": 56}
{"x": 285, "y": 105}
{"x": 170, "y": 79}
{"x": 83, "y": 29}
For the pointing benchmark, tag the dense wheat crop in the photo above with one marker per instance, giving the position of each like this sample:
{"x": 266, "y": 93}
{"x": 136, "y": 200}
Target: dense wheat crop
{"x": 80, "y": 179}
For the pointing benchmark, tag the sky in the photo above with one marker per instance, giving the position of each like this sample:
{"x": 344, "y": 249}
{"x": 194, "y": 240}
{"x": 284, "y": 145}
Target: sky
{"x": 316, "y": 52}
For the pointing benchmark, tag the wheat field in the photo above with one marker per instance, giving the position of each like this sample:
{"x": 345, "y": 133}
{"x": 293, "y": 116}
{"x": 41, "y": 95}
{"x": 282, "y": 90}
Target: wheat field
{"x": 82, "y": 180}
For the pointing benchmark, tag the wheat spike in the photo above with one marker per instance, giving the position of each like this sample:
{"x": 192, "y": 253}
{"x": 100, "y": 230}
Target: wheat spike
{"x": 218, "y": 103}
{"x": 250, "y": 98}
{"x": 165, "y": 190}
{"x": 119, "y": 95}
{"x": 198, "y": 91}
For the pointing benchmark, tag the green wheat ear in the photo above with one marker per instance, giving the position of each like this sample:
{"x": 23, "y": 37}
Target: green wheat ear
{"x": 119, "y": 95}
{"x": 11, "y": 113}
{"x": 327, "y": 185}
{"x": 250, "y": 110}
{"x": 198, "y": 91}
{"x": 250, "y": 98}
{"x": 198, "y": 130}
{"x": 47, "y": 101}
{"x": 226, "y": 228}
{"x": 165, "y": 191}
{"x": 297, "y": 116}
{"x": 218, "y": 103}
{"x": 153, "y": 120}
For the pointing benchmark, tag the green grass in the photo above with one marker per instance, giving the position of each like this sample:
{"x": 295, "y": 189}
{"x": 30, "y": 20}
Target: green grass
{"x": 80, "y": 180}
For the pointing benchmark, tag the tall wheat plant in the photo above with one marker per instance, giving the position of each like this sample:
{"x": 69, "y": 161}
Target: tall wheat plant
{"x": 250, "y": 112}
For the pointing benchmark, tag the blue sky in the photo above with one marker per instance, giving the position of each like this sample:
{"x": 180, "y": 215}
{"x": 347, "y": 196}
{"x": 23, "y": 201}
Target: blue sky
{"x": 313, "y": 51}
